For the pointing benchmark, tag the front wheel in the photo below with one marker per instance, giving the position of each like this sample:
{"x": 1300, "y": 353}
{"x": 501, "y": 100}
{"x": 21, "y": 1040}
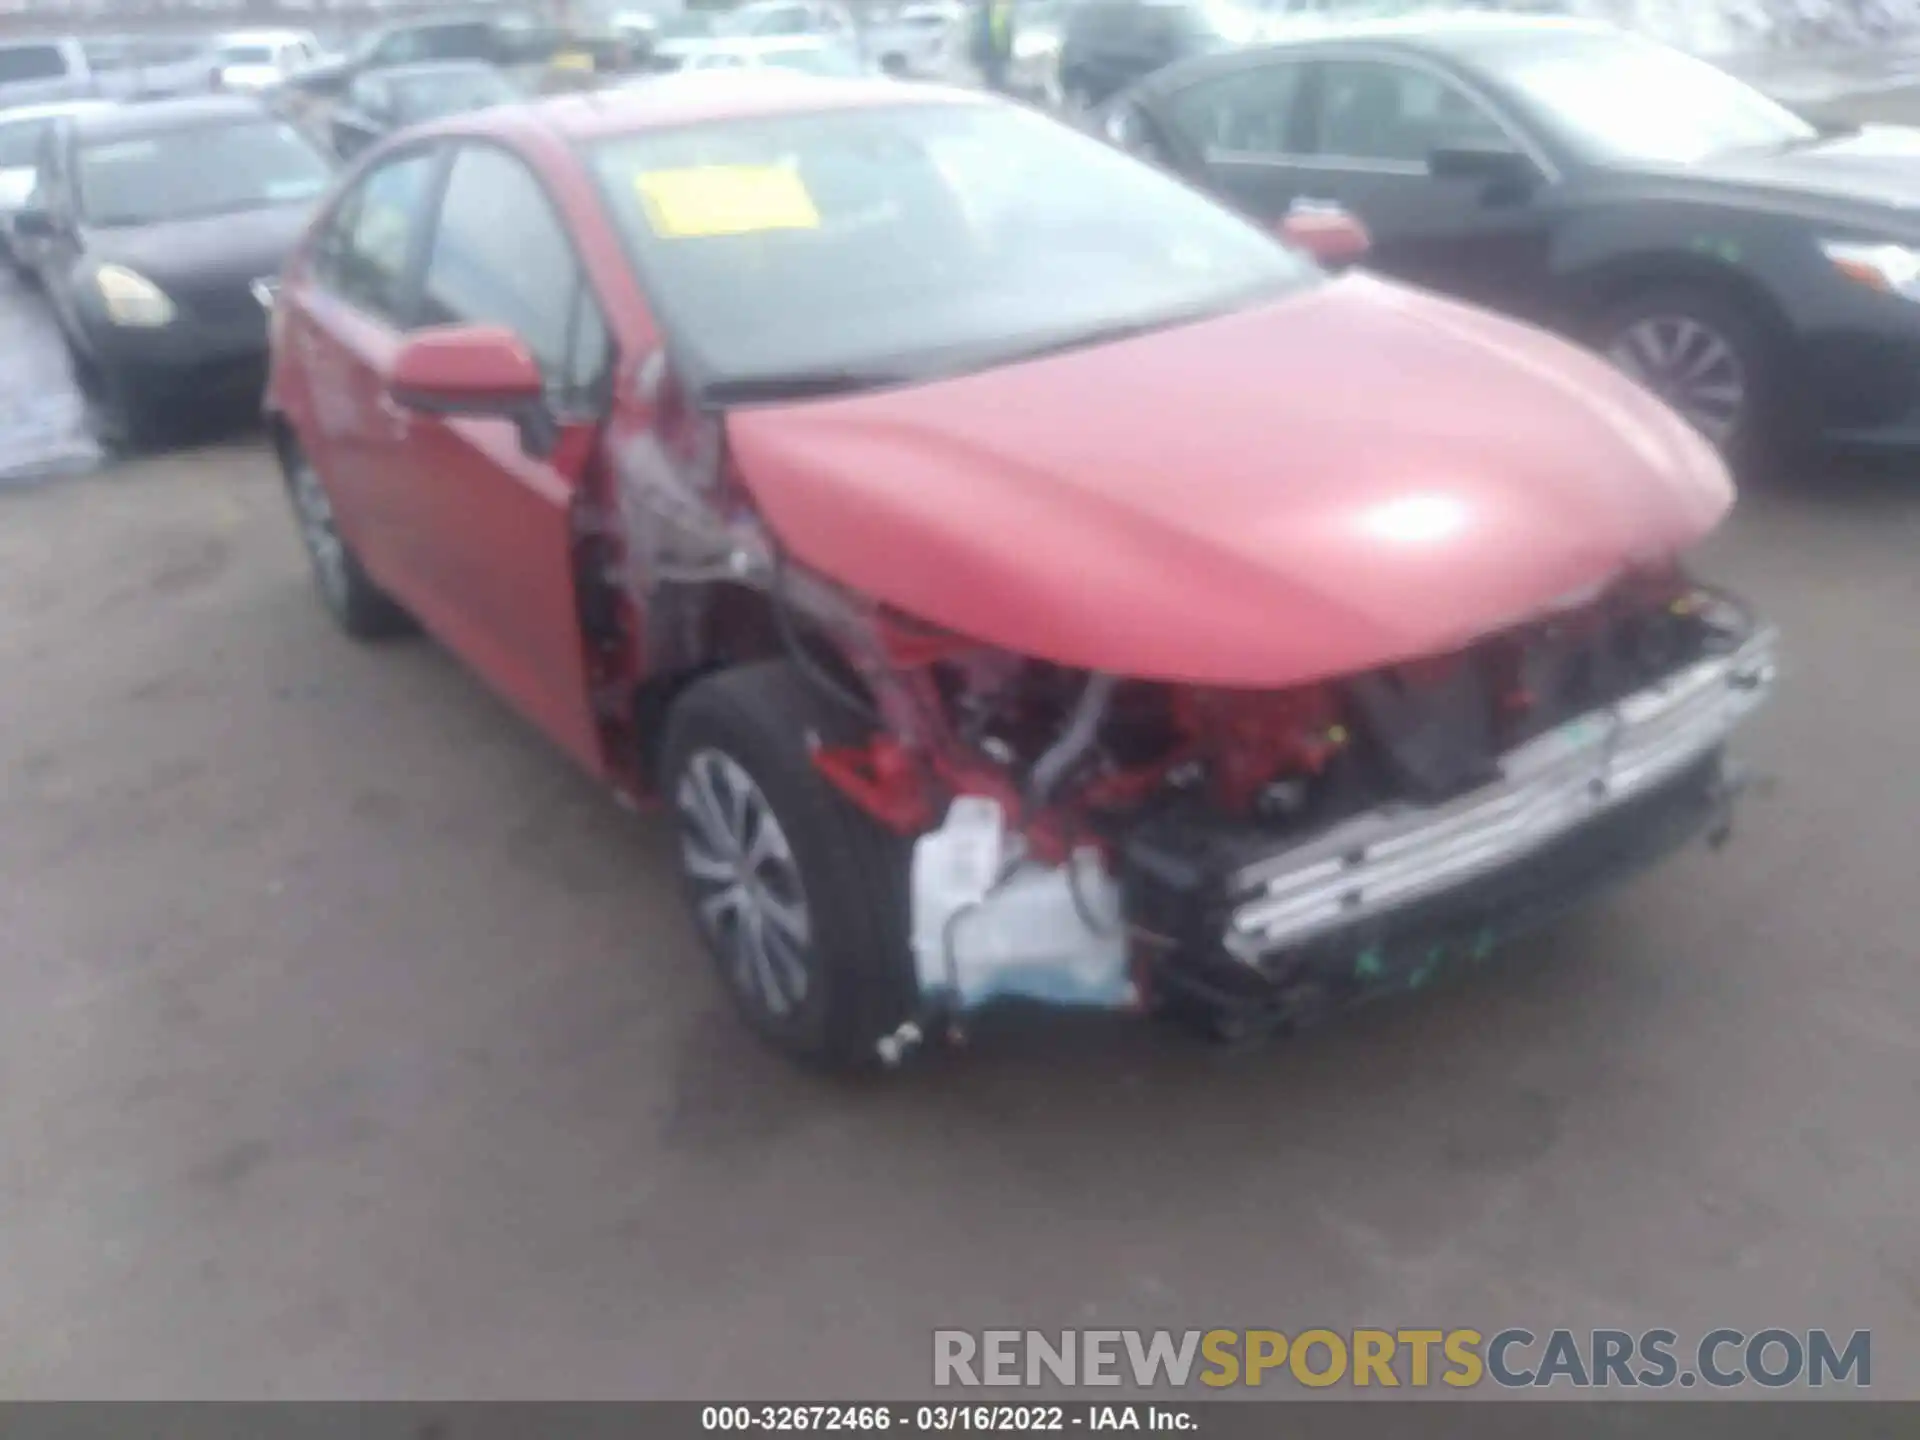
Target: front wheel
{"x": 800, "y": 899}
{"x": 358, "y": 606}
{"x": 1707, "y": 357}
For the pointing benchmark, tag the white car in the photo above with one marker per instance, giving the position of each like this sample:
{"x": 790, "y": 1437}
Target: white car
{"x": 766, "y": 20}
{"x": 255, "y": 60}
{"x": 806, "y": 55}
{"x": 21, "y": 131}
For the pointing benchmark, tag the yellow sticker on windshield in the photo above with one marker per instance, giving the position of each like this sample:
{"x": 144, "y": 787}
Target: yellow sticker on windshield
{"x": 713, "y": 200}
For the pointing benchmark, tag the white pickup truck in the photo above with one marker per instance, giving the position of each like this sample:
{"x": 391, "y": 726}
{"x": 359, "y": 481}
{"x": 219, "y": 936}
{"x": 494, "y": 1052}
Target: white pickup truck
{"x": 48, "y": 69}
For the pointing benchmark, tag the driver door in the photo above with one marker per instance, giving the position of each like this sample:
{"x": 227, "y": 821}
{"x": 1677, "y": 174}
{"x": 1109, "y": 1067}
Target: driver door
{"x": 489, "y": 548}
{"x": 1371, "y": 126}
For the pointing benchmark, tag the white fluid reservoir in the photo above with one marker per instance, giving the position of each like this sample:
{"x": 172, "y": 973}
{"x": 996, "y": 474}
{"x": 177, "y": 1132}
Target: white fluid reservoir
{"x": 989, "y": 926}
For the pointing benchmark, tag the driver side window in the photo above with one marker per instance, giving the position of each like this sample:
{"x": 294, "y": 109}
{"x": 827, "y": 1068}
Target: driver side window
{"x": 1373, "y": 111}
{"x": 1250, "y": 112}
{"x": 501, "y": 256}
{"x": 364, "y": 253}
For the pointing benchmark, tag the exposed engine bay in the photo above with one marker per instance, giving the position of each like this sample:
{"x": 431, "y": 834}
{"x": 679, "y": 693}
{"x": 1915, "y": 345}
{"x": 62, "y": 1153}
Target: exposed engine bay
{"x": 1118, "y": 842}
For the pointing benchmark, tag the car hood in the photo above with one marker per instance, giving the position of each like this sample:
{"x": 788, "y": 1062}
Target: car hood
{"x": 1350, "y": 477}
{"x": 213, "y": 253}
{"x": 1878, "y": 165}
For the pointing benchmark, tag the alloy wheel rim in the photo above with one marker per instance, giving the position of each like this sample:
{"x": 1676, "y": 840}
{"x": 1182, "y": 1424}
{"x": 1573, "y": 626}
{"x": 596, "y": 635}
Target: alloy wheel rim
{"x": 1691, "y": 366}
{"x": 317, "y": 531}
{"x": 747, "y": 891}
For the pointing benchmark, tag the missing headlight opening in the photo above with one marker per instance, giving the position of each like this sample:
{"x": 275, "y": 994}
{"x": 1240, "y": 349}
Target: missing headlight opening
{"x": 1245, "y": 858}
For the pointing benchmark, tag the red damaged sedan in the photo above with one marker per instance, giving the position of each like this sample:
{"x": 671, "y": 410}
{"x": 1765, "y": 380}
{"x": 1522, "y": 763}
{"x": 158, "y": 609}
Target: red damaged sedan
{"x": 1023, "y": 578}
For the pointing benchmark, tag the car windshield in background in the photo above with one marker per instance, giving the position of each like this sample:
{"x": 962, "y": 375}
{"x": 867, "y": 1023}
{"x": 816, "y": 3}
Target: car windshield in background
{"x": 811, "y": 252}
{"x": 246, "y": 54}
{"x": 1629, "y": 100}
{"x": 826, "y": 60}
{"x": 20, "y": 142}
{"x": 31, "y": 62}
{"x": 200, "y": 170}
{"x": 427, "y": 97}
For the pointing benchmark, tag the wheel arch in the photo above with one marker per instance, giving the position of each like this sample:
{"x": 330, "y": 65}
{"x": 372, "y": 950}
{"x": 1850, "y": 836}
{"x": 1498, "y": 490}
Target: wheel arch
{"x": 1599, "y": 289}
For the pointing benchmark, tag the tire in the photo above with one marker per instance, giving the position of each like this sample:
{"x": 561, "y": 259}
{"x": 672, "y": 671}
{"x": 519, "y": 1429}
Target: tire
{"x": 358, "y": 606}
{"x": 833, "y": 977}
{"x": 1693, "y": 347}
{"x": 127, "y": 421}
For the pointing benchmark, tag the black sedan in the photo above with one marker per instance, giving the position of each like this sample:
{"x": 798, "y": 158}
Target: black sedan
{"x": 382, "y": 101}
{"x": 160, "y": 231}
{"x": 1760, "y": 272}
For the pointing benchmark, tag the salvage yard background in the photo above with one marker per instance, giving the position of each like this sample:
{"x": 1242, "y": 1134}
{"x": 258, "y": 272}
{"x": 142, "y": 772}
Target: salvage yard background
{"x": 355, "y": 1046}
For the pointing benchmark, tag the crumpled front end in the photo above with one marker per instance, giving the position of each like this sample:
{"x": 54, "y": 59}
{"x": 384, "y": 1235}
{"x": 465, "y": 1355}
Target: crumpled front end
{"x": 1247, "y": 855}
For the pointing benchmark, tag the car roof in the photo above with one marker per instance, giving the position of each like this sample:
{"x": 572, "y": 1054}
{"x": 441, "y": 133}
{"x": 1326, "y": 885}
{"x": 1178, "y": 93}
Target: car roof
{"x": 1462, "y": 33}
{"x": 154, "y": 117}
{"x": 669, "y": 101}
{"x": 51, "y": 110}
{"x": 426, "y": 69}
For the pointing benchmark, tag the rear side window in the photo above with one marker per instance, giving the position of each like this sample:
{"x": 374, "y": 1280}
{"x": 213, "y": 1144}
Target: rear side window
{"x": 31, "y": 62}
{"x": 457, "y": 42}
{"x": 501, "y": 257}
{"x": 1247, "y": 113}
{"x": 1370, "y": 110}
{"x": 364, "y": 253}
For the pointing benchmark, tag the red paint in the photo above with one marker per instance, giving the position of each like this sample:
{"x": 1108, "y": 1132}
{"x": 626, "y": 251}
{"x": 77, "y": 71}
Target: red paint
{"x": 1333, "y": 237}
{"x": 471, "y": 364}
{"x": 882, "y": 779}
{"x": 1354, "y": 476}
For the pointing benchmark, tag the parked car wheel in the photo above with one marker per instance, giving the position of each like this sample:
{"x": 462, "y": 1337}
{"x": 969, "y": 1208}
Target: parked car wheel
{"x": 1706, "y": 356}
{"x": 125, "y": 419}
{"x": 800, "y": 899}
{"x": 360, "y": 607}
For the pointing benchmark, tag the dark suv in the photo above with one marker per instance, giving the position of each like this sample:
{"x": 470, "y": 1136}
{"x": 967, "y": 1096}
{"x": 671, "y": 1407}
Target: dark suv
{"x": 1109, "y": 44}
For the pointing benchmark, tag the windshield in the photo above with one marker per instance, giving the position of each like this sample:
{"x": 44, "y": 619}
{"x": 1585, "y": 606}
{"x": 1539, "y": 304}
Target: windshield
{"x": 31, "y": 62}
{"x": 20, "y": 143}
{"x": 821, "y": 60}
{"x": 427, "y": 97}
{"x": 246, "y": 54}
{"x": 1633, "y": 101}
{"x": 904, "y": 242}
{"x": 202, "y": 170}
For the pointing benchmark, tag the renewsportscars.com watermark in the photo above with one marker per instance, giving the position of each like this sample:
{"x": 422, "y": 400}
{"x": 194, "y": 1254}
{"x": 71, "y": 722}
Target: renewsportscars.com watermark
{"x": 1415, "y": 1359}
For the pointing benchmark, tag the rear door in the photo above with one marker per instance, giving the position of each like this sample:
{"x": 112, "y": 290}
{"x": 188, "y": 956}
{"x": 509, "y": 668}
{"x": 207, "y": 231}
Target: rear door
{"x": 1372, "y": 125}
{"x": 490, "y": 556}
{"x": 343, "y": 330}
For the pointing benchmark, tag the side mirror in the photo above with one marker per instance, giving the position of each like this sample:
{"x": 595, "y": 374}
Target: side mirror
{"x": 34, "y": 222}
{"x": 475, "y": 370}
{"x": 1505, "y": 172}
{"x": 1333, "y": 237}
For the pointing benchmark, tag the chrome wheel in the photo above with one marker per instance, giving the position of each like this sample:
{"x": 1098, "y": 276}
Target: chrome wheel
{"x": 1691, "y": 366}
{"x": 315, "y": 513}
{"x": 746, "y": 885}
